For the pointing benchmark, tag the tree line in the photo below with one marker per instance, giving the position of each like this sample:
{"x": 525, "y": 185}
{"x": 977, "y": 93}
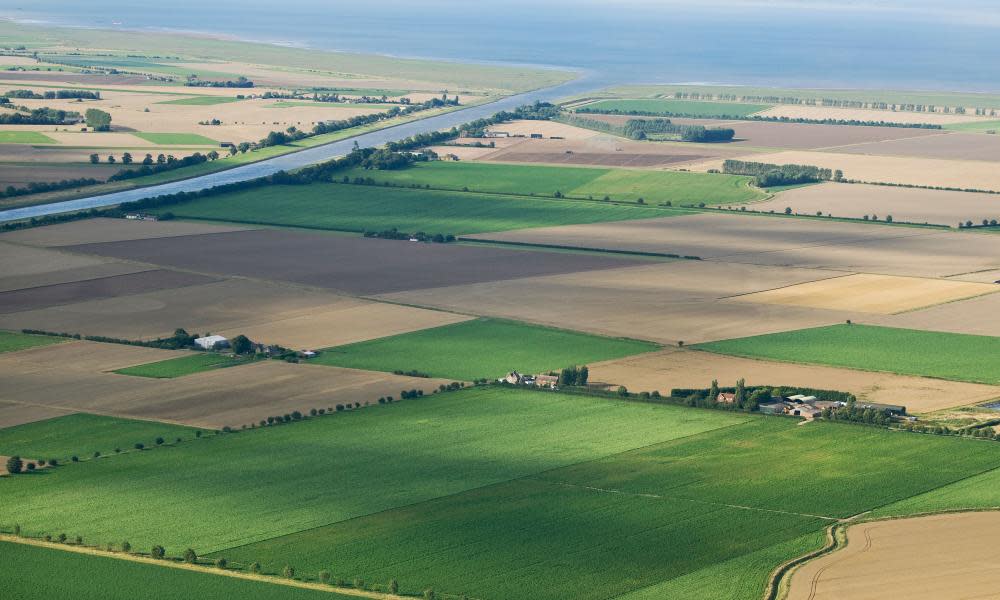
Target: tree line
{"x": 41, "y": 116}
{"x": 763, "y": 118}
{"x": 53, "y": 95}
{"x": 768, "y": 175}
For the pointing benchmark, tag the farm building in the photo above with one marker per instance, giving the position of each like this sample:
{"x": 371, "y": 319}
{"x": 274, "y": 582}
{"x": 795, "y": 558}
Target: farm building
{"x": 546, "y": 381}
{"x": 804, "y": 410}
{"x": 772, "y": 408}
{"x": 893, "y": 409}
{"x": 726, "y": 398}
{"x": 496, "y": 134}
{"x": 211, "y": 342}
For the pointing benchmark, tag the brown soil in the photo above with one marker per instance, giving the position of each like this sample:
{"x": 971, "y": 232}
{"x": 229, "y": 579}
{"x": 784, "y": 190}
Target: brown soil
{"x": 861, "y": 114}
{"x": 353, "y": 265}
{"x": 781, "y": 241}
{"x": 99, "y": 288}
{"x": 948, "y": 146}
{"x": 903, "y": 204}
{"x": 110, "y": 230}
{"x": 977, "y": 316}
{"x": 664, "y": 302}
{"x": 234, "y": 396}
{"x": 673, "y": 368}
{"x": 938, "y": 557}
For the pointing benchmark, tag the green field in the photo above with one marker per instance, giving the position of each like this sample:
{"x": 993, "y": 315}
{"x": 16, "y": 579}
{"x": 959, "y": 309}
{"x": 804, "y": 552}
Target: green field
{"x": 505, "y": 493}
{"x": 201, "y": 100}
{"x": 975, "y": 493}
{"x": 183, "y": 365}
{"x": 12, "y": 342}
{"x": 578, "y": 182}
{"x": 975, "y": 126}
{"x": 481, "y": 348}
{"x": 228, "y": 490}
{"x": 687, "y": 108}
{"x": 25, "y": 137}
{"x": 83, "y": 434}
{"x": 35, "y": 572}
{"x": 661, "y": 518}
{"x": 905, "y": 351}
{"x": 373, "y": 208}
{"x": 176, "y": 139}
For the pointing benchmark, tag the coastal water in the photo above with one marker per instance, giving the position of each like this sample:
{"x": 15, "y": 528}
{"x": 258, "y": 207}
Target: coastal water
{"x": 879, "y": 44}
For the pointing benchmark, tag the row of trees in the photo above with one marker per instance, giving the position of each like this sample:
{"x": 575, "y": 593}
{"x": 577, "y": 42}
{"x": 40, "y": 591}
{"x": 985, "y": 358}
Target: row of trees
{"x": 53, "y": 95}
{"x": 40, "y": 116}
{"x": 240, "y": 82}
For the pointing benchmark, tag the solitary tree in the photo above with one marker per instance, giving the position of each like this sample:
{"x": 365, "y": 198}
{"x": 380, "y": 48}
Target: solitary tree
{"x": 157, "y": 552}
{"x": 126, "y": 547}
{"x": 393, "y": 586}
{"x": 148, "y": 160}
{"x": 14, "y": 465}
{"x": 324, "y": 576}
{"x": 190, "y": 556}
{"x": 241, "y": 344}
{"x": 288, "y": 571}
{"x": 741, "y": 393}
{"x": 127, "y": 158}
{"x": 98, "y": 120}
{"x": 94, "y": 159}
{"x": 255, "y": 567}
{"x": 713, "y": 392}
{"x": 221, "y": 563}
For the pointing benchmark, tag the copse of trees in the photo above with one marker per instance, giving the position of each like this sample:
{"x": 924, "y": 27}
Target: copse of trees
{"x": 40, "y": 116}
{"x": 574, "y": 376}
{"x": 15, "y": 465}
{"x": 768, "y": 175}
{"x": 240, "y": 82}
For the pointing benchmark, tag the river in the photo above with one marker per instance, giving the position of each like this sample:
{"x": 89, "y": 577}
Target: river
{"x": 309, "y": 156}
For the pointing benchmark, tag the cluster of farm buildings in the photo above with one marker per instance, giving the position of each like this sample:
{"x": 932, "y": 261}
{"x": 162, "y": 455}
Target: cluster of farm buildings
{"x": 810, "y": 407}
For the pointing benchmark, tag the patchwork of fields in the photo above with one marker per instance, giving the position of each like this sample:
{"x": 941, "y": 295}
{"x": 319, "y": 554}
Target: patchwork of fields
{"x": 524, "y": 489}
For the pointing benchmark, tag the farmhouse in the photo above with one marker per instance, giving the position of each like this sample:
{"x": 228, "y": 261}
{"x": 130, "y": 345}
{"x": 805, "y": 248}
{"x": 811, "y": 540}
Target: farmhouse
{"x": 550, "y": 381}
{"x": 211, "y": 342}
{"x": 726, "y": 398}
{"x": 804, "y": 410}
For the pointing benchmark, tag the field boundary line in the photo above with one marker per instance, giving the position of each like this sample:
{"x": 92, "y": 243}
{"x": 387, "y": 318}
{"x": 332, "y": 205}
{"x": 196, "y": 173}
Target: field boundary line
{"x": 706, "y": 502}
{"x": 169, "y": 563}
{"x": 528, "y": 477}
{"x": 939, "y": 133}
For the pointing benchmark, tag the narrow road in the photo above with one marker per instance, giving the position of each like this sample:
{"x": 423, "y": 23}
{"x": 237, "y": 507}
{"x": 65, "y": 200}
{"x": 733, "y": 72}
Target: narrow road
{"x": 308, "y": 156}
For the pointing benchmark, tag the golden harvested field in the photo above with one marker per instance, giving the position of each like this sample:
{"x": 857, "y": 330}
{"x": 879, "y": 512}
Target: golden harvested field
{"x": 16, "y": 260}
{"x": 903, "y": 204}
{"x": 781, "y": 241}
{"x": 796, "y": 111}
{"x": 882, "y": 294}
{"x": 925, "y": 558}
{"x": 549, "y": 129}
{"x": 987, "y": 276}
{"x": 977, "y": 316}
{"x": 463, "y": 152}
{"x": 75, "y": 377}
{"x": 345, "y": 321}
{"x": 959, "y": 174}
{"x": 662, "y": 302}
{"x": 683, "y": 368}
{"x": 110, "y": 230}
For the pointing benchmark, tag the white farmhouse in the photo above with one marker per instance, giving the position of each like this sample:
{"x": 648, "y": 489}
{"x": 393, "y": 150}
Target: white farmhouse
{"x": 211, "y": 342}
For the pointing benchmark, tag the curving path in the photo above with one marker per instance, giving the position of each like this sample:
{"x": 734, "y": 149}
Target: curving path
{"x": 308, "y": 156}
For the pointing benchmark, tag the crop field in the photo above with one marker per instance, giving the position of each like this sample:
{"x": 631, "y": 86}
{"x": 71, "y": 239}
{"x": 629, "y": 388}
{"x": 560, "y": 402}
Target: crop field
{"x": 82, "y": 434}
{"x": 975, "y": 126}
{"x": 12, "y": 342}
{"x": 201, "y": 100}
{"x": 113, "y": 286}
{"x": 577, "y": 182}
{"x": 685, "y": 368}
{"x": 688, "y": 108}
{"x": 862, "y": 292}
{"x": 912, "y": 205}
{"x": 109, "y": 230}
{"x": 372, "y": 266}
{"x": 974, "y": 316}
{"x": 374, "y": 208}
{"x": 635, "y": 519}
{"x": 40, "y": 572}
{"x": 947, "y": 146}
{"x": 182, "y": 365}
{"x": 25, "y": 137}
{"x": 429, "y": 448}
{"x": 801, "y": 111}
{"x": 481, "y": 348}
{"x": 176, "y": 139}
{"x": 922, "y": 558}
{"x": 953, "y": 356}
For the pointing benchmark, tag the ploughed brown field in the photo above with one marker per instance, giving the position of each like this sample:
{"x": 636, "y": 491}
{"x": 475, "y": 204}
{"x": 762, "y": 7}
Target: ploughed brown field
{"x": 796, "y": 111}
{"x": 233, "y": 396}
{"x": 932, "y": 172}
{"x": 976, "y": 316}
{"x": 781, "y": 241}
{"x": 98, "y": 288}
{"x": 110, "y": 230}
{"x": 947, "y": 145}
{"x": 939, "y": 556}
{"x": 354, "y": 265}
{"x": 938, "y": 207}
{"x": 267, "y": 312}
{"x": 662, "y": 302}
{"x": 683, "y": 368}
{"x": 801, "y": 136}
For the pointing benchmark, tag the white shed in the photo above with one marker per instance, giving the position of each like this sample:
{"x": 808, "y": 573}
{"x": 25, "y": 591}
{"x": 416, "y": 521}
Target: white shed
{"x": 211, "y": 342}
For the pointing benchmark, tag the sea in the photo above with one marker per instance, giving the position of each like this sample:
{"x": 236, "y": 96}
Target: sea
{"x": 873, "y": 44}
